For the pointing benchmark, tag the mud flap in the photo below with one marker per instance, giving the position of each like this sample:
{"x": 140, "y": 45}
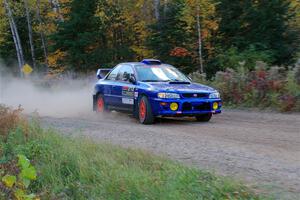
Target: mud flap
{"x": 94, "y": 102}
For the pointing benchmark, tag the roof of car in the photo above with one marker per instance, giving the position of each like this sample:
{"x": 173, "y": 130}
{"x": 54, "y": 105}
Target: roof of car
{"x": 132, "y": 63}
{"x": 147, "y": 62}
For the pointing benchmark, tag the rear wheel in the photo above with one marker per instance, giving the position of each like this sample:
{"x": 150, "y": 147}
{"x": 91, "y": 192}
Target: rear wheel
{"x": 145, "y": 111}
{"x": 100, "y": 104}
{"x": 204, "y": 117}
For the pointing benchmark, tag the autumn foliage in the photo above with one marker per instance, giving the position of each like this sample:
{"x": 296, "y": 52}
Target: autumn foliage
{"x": 265, "y": 87}
{"x": 179, "y": 52}
{"x": 81, "y": 36}
{"x": 10, "y": 119}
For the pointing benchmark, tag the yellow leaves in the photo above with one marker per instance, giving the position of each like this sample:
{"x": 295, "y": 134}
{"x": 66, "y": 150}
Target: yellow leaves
{"x": 212, "y": 24}
{"x": 55, "y": 57}
{"x": 139, "y": 4}
{"x": 3, "y": 25}
{"x": 21, "y": 195}
{"x": 9, "y": 180}
{"x": 51, "y": 15}
{"x": 101, "y": 14}
{"x": 2, "y": 11}
{"x": 65, "y": 11}
{"x": 142, "y": 52}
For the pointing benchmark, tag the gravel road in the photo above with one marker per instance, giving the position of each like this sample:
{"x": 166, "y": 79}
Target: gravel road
{"x": 259, "y": 148}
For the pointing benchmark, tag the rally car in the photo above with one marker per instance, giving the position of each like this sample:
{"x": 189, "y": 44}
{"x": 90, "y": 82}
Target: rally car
{"x": 151, "y": 89}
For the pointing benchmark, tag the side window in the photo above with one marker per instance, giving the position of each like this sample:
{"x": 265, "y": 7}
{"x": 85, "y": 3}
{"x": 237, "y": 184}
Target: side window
{"x": 125, "y": 72}
{"x": 113, "y": 74}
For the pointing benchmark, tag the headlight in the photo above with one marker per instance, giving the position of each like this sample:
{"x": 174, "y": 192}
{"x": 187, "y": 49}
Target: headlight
{"x": 215, "y": 95}
{"x": 163, "y": 95}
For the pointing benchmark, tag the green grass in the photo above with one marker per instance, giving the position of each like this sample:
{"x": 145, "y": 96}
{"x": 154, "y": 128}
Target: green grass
{"x": 78, "y": 168}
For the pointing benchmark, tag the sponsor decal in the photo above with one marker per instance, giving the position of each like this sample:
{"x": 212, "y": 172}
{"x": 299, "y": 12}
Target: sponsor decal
{"x": 128, "y": 95}
{"x": 127, "y": 101}
{"x": 127, "y": 91}
{"x": 136, "y": 95}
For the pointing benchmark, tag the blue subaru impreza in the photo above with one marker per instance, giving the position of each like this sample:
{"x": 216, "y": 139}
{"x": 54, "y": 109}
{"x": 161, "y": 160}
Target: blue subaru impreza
{"x": 151, "y": 89}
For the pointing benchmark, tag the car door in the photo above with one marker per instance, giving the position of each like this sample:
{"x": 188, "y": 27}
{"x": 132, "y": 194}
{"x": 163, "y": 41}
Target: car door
{"x": 123, "y": 90}
{"x": 108, "y": 88}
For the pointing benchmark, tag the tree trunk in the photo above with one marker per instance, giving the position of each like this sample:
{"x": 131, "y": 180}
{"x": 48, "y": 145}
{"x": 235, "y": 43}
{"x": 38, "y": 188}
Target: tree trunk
{"x": 16, "y": 46}
{"x": 30, "y": 33}
{"x": 44, "y": 44}
{"x": 156, "y": 8}
{"x": 199, "y": 38}
{"x": 165, "y": 7}
{"x": 16, "y": 37}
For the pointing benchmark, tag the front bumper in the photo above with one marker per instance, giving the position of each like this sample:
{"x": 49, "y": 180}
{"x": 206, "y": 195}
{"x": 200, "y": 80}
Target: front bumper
{"x": 186, "y": 107}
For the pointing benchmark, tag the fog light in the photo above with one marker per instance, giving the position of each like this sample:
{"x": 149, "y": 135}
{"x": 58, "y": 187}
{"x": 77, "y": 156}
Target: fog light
{"x": 215, "y": 105}
{"x": 174, "y": 106}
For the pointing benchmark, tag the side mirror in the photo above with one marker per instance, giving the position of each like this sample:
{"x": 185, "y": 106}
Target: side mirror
{"x": 132, "y": 79}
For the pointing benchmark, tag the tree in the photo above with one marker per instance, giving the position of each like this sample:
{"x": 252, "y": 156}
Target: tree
{"x": 233, "y": 24}
{"x": 199, "y": 39}
{"x": 41, "y": 31}
{"x": 269, "y": 22}
{"x": 28, "y": 18}
{"x": 192, "y": 34}
{"x": 16, "y": 37}
{"x": 156, "y": 8}
{"x": 170, "y": 38}
{"x": 201, "y": 20}
{"x": 77, "y": 36}
{"x": 261, "y": 24}
{"x": 294, "y": 25}
{"x": 136, "y": 15}
{"x": 56, "y": 9}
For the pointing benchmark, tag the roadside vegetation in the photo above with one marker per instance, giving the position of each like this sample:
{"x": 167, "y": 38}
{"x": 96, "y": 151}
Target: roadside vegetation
{"x": 42, "y": 164}
{"x": 265, "y": 87}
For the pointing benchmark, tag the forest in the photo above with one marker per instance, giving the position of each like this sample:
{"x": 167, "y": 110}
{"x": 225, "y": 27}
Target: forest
{"x": 55, "y": 36}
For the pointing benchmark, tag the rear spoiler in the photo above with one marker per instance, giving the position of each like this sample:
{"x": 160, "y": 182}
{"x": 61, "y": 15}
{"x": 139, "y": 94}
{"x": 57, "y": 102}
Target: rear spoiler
{"x": 101, "y": 73}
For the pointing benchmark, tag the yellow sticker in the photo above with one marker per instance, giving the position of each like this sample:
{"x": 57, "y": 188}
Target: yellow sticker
{"x": 27, "y": 69}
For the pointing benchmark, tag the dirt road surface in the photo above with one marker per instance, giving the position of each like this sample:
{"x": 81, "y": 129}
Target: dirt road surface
{"x": 260, "y": 149}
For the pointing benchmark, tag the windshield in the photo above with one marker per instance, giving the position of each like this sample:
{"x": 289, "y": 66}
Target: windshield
{"x": 161, "y": 73}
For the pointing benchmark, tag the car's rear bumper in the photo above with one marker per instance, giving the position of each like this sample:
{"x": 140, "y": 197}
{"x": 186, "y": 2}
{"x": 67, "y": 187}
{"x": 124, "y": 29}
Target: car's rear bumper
{"x": 186, "y": 107}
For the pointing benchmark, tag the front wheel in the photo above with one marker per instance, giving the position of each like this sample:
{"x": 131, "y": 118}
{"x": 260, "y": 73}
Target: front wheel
{"x": 145, "y": 111}
{"x": 204, "y": 117}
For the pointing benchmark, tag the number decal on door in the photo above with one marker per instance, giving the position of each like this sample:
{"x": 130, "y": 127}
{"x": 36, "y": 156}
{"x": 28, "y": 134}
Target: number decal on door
{"x": 128, "y": 91}
{"x": 127, "y": 95}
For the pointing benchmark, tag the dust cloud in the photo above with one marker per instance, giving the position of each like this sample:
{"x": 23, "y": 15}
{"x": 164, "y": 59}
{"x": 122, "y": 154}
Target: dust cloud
{"x": 63, "y": 97}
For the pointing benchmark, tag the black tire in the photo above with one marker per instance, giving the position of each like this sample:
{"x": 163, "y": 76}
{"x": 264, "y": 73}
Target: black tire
{"x": 147, "y": 117}
{"x": 204, "y": 117}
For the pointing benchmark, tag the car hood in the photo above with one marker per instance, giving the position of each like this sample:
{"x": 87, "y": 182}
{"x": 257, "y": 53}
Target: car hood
{"x": 175, "y": 87}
